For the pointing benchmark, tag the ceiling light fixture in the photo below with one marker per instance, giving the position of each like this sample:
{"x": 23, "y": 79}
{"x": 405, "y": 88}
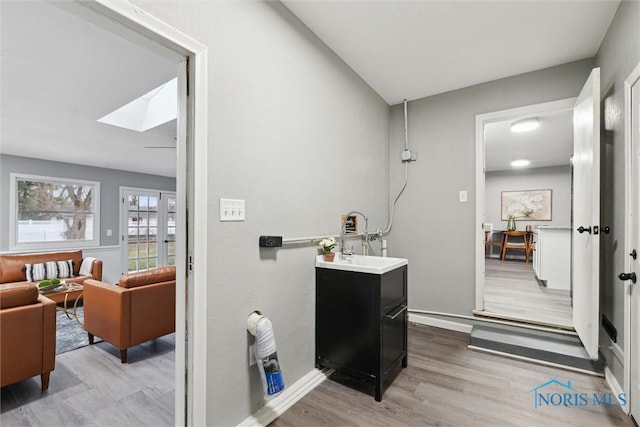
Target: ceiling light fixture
{"x": 525, "y": 125}
{"x": 519, "y": 163}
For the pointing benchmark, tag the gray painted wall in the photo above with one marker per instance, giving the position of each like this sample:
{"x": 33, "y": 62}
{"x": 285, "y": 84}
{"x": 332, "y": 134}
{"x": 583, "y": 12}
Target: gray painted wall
{"x": 619, "y": 54}
{"x": 556, "y": 178}
{"x": 432, "y": 229}
{"x": 110, "y": 182}
{"x": 300, "y": 137}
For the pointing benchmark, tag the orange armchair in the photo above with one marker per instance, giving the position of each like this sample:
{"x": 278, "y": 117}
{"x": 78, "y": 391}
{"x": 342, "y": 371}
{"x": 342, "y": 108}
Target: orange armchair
{"x": 140, "y": 308}
{"x": 27, "y": 334}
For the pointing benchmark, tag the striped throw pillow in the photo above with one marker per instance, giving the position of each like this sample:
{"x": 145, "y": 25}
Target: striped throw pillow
{"x": 51, "y": 269}
{"x": 41, "y": 271}
{"x": 65, "y": 268}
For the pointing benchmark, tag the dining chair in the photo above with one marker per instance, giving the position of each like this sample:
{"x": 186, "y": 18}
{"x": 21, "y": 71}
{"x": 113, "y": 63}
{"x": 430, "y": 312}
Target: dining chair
{"x": 520, "y": 240}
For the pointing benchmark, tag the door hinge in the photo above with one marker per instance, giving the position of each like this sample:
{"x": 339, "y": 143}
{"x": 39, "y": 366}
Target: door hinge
{"x": 190, "y": 263}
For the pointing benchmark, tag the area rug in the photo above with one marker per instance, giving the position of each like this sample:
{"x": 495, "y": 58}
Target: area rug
{"x": 70, "y": 334}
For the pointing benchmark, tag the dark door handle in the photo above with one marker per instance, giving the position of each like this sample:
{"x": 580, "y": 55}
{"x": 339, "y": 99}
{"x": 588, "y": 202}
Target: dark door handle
{"x": 627, "y": 276}
{"x": 582, "y": 229}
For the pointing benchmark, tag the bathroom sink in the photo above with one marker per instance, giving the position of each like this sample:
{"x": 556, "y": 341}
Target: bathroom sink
{"x": 361, "y": 263}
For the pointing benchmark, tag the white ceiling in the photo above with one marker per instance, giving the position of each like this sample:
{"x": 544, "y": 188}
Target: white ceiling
{"x": 413, "y": 49}
{"x": 549, "y": 145}
{"x": 60, "y": 73}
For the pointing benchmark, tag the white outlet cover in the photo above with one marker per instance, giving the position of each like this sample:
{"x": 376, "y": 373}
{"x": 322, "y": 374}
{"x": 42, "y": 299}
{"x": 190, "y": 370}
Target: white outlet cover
{"x": 462, "y": 196}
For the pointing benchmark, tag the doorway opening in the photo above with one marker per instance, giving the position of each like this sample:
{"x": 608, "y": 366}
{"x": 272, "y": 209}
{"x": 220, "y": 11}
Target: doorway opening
{"x": 534, "y": 201}
{"x": 583, "y": 228}
{"x": 189, "y": 248}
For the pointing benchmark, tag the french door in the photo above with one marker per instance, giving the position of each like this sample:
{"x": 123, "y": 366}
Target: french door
{"x": 148, "y": 229}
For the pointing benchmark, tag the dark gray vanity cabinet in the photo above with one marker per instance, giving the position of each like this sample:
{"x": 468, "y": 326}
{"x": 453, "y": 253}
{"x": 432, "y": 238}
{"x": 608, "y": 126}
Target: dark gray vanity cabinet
{"x": 361, "y": 324}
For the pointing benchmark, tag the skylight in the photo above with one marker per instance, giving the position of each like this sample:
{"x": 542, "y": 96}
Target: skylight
{"x": 156, "y": 107}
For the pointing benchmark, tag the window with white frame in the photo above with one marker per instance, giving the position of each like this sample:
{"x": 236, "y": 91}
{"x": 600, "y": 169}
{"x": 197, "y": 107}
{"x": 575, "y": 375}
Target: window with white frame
{"x": 51, "y": 212}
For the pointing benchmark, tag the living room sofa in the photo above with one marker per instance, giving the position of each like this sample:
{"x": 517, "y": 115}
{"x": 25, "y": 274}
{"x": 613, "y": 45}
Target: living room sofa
{"x": 27, "y": 334}
{"x": 12, "y": 266}
{"x": 141, "y": 307}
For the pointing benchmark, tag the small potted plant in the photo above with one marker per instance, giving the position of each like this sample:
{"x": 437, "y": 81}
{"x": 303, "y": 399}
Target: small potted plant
{"x": 326, "y": 245}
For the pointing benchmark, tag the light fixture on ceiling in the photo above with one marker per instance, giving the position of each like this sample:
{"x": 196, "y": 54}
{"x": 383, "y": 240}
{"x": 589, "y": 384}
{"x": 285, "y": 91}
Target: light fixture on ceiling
{"x": 525, "y": 125}
{"x": 520, "y": 163}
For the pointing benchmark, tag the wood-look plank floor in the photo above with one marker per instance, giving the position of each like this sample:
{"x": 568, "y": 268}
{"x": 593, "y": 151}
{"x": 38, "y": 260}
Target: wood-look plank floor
{"x": 90, "y": 387}
{"x": 447, "y": 384}
{"x": 511, "y": 289}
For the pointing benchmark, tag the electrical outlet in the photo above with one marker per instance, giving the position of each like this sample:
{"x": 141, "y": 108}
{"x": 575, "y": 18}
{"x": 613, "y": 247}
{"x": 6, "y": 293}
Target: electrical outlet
{"x": 462, "y": 196}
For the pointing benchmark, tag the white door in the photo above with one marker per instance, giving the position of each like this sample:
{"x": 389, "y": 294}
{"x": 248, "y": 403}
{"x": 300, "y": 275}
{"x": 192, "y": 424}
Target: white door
{"x": 634, "y": 398}
{"x": 148, "y": 229}
{"x": 586, "y": 213}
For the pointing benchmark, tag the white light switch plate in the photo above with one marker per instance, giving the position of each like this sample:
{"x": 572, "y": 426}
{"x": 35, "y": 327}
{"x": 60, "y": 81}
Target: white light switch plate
{"x": 232, "y": 210}
{"x": 462, "y": 196}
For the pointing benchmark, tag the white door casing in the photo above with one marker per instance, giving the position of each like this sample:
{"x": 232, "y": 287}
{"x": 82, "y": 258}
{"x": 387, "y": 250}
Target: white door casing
{"x": 126, "y": 19}
{"x": 633, "y": 265}
{"x": 585, "y": 264}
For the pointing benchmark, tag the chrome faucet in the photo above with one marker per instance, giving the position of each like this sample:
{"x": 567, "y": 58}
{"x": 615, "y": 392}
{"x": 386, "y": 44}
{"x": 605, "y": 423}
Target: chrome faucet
{"x": 365, "y": 236}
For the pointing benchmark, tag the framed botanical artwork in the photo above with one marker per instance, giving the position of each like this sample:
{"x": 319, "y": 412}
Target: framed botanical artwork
{"x": 528, "y": 205}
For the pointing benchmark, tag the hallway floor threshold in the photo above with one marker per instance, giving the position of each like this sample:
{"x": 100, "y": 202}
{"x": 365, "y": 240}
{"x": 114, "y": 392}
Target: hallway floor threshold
{"x": 524, "y": 322}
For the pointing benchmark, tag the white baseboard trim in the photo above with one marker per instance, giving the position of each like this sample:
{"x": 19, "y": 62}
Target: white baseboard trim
{"x": 289, "y": 396}
{"x": 424, "y": 319}
{"x": 614, "y": 385}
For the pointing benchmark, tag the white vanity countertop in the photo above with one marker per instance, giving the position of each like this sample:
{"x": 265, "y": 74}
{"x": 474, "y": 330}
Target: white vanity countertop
{"x": 362, "y": 264}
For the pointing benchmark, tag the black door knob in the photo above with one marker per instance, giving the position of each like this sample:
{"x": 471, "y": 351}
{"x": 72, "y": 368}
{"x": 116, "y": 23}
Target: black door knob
{"x": 582, "y": 229}
{"x": 627, "y": 276}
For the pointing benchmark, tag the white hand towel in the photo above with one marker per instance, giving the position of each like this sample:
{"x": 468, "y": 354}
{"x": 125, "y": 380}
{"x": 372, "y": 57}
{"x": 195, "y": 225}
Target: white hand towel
{"x": 86, "y": 267}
